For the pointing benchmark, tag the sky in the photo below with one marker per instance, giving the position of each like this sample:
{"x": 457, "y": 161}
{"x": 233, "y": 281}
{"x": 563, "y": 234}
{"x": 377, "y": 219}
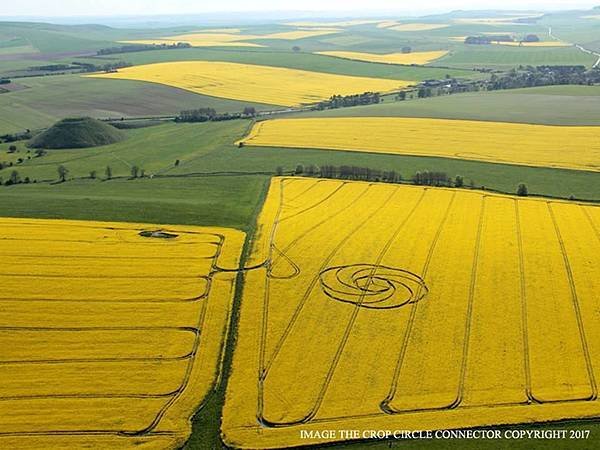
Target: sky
{"x": 65, "y": 8}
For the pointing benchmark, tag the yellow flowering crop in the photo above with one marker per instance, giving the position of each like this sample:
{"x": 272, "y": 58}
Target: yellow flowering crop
{"x": 575, "y": 147}
{"x": 341, "y": 23}
{"x": 110, "y": 339}
{"x": 248, "y": 82}
{"x": 419, "y": 58}
{"x": 224, "y": 38}
{"x": 417, "y": 26}
{"x": 202, "y": 39}
{"x": 391, "y": 307}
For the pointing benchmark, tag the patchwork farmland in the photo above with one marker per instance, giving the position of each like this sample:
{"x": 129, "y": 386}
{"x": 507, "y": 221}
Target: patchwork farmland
{"x": 280, "y": 230}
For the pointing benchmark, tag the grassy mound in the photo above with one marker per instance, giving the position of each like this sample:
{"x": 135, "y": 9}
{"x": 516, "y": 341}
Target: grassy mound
{"x": 77, "y": 133}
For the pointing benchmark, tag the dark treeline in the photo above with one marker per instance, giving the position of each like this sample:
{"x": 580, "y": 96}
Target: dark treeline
{"x": 358, "y": 173}
{"x": 491, "y": 38}
{"x": 521, "y": 77}
{"x": 141, "y": 48}
{"x": 22, "y": 136}
{"x": 354, "y": 173}
{"x": 488, "y": 39}
{"x": 108, "y": 67}
{"x": 344, "y": 101}
{"x": 61, "y": 69}
{"x": 53, "y": 68}
{"x": 529, "y": 76}
{"x": 211, "y": 115}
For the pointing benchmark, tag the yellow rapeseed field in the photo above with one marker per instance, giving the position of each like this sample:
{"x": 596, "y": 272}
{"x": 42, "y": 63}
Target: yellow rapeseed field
{"x": 204, "y": 39}
{"x": 417, "y": 26}
{"x": 261, "y": 84}
{"x": 110, "y": 339}
{"x": 436, "y": 308}
{"x": 233, "y": 38}
{"x": 574, "y": 147}
{"x": 387, "y": 23}
{"x": 419, "y": 58}
{"x": 341, "y": 23}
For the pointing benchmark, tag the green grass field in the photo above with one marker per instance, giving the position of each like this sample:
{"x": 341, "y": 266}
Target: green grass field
{"x": 51, "y": 98}
{"x": 499, "y": 56}
{"x": 553, "y": 105}
{"x": 208, "y": 163}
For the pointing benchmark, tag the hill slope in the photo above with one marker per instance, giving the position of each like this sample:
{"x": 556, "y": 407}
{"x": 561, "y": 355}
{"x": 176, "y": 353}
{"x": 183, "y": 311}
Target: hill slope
{"x": 77, "y": 133}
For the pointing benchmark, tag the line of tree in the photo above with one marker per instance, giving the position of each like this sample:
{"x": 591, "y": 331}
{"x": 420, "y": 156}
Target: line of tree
{"x": 520, "y": 77}
{"x": 530, "y": 76}
{"x": 132, "y": 48}
{"x": 344, "y": 101}
{"x": 15, "y": 178}
{"x": 211, "y": 115}
{"x": 108, "y": 67}
{"x": 359, "y": 173}
{"x": 14, "y": 137}
{"x": 488, "y": 39}
{"x": 491, "y": 38}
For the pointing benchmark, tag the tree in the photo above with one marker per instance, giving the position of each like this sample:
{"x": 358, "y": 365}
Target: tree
{"x": 12, "y": 149}
{"x": 424, "y": 92}
{"x": 459, "y": 181}
{"x": 522, "y": 190}
{"x": 108, "y": 173}
{"x": 135, "y": 170}
{"x": 401, "y": 96}
{"x": 13, "y": 179}
{"x": 279, "y": 171}
{"x": 177, "y": 163}
{"x": 62, "y": 173}
{"x": 299, "y": 169}
{"x": 296, "y": 49}
{"x": 249, "y": 111}
{"x": 40, "y": 152}
{"x": 93, "y": 174}
{"x": 406, "y": 49}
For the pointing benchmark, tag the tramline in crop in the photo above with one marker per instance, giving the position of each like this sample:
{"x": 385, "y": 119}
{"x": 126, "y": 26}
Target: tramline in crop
{"x": 399, "y": 307}
{"x": 112, "y": 333}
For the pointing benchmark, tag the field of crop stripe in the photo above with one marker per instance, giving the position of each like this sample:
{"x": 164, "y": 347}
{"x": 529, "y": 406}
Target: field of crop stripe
{"x": 577, "y": 307}
{"x": 385, "y": 404}
{"x": 187, "y": 359}
{"x": 310, "y": 287}
{"x": 357, "y": 308}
